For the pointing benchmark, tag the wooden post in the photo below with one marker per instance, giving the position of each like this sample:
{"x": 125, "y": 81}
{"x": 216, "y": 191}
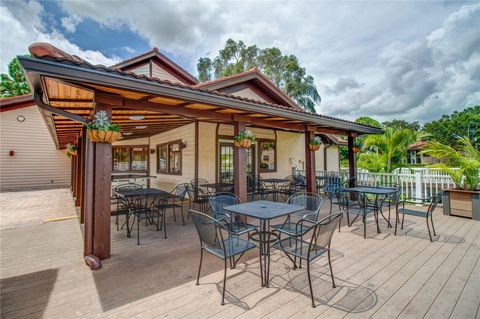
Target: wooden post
{"x": 310, "y": 164}
{"x": 83, "y": 175}
{"x": 102, "y": 193}
{"x": 352, "y": 168}
{"x": 240, "y": 166}
{"x": 79, "y": 171}
{"x": 88, "y": 197}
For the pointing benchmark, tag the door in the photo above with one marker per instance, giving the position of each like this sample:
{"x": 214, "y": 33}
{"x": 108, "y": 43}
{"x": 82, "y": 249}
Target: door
{"x": 225, "y": 162}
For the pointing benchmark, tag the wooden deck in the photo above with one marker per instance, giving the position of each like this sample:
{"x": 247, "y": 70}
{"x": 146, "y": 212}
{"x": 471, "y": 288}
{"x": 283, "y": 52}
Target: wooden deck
{"x": 383, "y": 276}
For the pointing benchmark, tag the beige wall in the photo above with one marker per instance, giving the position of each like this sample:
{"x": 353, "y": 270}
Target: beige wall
{"x": 36, "y": 163}
{"x": 207, "y": 151}
{"x": 143, "y": 69}
{"x": 249, "y": 94}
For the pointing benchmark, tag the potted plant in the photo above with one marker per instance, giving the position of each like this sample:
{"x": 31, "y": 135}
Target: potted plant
{"x": 356, "y": 148}
{"x": 314, "y": 145}
{"x": 71, "y": 150}
{"x": 100, "y": 130}
{"x": 244, "y": 139}
{"x": 463, "y": 166}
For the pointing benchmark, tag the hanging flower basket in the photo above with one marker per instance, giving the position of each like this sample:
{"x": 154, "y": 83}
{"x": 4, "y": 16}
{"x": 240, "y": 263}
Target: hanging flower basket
{"x": 72, "y": 150}
{"x": 100, "y": 130}
{"x": 314, "y": 145}
{"x": 355, "y": 149}
{"x": 244, "y": 139}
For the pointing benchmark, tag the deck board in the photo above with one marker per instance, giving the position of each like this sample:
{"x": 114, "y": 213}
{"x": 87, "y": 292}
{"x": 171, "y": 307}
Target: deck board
{"x": 383, "y": 276}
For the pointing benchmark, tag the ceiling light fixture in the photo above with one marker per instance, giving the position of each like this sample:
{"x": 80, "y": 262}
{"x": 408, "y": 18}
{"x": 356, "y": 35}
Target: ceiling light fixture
{"x": 136, "y": 117}
{"x": 127, "y": 133}
{"x": 141, "y": 127}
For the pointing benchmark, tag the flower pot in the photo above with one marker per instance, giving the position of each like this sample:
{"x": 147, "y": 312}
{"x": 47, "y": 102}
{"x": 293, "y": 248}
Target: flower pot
{"x": 314, "y": 147}
{"x": 73, "y": 153}
{"x": 103, "y": 136}
{"x": 355, "y": 149}
{"x": 462, "y": 203}
{"x": 245, "y": 143}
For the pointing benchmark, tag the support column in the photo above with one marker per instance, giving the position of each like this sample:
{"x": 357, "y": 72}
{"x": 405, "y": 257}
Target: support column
{"x": 88, "y": 197}
{"x": 310, "y": 164}
{"x": 79, "y": 172}
{"x": 240, "y": 166}
{"x": 352, "y": 167}
{"x": 83, "y": 174}
{"x": 102, "y": 193}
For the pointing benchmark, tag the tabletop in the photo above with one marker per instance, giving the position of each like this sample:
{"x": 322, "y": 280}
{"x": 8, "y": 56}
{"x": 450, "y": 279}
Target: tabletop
{"x": 131, "y": 176}
{"x": 275, "y": 180}
{"x": 371, "y": 190}
{"x": 263, "y": 209}
{"x": 217, "y": 185}
{"x": 142, "y": 192}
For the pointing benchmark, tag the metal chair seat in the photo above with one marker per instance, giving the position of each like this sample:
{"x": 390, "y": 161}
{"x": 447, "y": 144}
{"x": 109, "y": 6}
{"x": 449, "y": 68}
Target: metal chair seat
{"x": 413, "y": 212}
{"x": 233, "y": 247}
{"x": 238, "y": 228}
{"x": 290, "y": 228}
{"x": 299, "y": 248}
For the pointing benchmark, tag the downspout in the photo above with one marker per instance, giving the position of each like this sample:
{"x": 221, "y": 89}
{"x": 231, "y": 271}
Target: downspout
{"x": 325, "y": 157}
{"x": 37, "y": 97}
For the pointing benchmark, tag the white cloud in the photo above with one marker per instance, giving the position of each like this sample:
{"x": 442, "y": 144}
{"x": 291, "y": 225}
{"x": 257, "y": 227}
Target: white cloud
{"x": 21, "y": 25}
{"x": 129, "y": 49}
{"x": 70, "y": 23}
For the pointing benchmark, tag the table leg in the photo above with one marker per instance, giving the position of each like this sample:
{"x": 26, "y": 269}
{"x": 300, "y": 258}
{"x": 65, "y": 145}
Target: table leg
{"x": 264, "y": 245}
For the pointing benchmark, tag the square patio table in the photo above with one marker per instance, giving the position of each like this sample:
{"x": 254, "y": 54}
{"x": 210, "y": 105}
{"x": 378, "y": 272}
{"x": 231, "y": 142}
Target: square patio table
{"x": 264, "y": 211}
{"x": 275, "y": 182}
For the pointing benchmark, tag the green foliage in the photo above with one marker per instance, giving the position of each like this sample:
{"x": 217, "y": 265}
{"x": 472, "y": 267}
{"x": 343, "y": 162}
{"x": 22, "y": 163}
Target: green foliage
{"x": 315, "y": 141}
{"x": 245, "y": 135}
{"x": 373, "y": 162}
{"x": 13, "y": 83}
{"x": 392, "y": 145}
{"x": 462, "y": 163}
{"x": 368, "y": 121}
{"x": 401, "y": 124}
{"x": 101, "y": 123}
{"x": 449, "y": 128}
{"x": 283, "y": 70}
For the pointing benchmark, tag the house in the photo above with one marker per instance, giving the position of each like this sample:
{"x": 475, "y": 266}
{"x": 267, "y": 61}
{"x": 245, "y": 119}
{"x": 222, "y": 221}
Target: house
{"x": 29, "y": 158}
{"x": 414, "y": 157}
{"x": 173, "y": 127}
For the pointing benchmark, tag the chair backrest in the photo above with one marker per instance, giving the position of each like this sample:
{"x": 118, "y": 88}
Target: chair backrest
{"x": 332, "y": 184}
{"x": 198, "y": 182}
{"x": 180, "y": 191}
{"x": 128, "y": 187}
{"x": 208, "y": 229}
{"x": 311, "y": 202}
{"x": 436, "y": 199}
{"x": 323, "y": 231}
{"x": 219, "y": 201}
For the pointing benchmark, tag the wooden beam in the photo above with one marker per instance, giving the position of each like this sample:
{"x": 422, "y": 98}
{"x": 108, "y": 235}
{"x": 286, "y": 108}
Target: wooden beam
{"x": 310, "y": 163}
{"x": 352, "y": 168}
{"x": 240, "y": 165}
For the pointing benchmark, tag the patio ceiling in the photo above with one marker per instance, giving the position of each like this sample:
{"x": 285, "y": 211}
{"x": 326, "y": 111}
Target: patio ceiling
{"x": 67, "y": 83}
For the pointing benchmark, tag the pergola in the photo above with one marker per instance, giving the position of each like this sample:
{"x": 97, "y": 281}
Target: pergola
{"x": 69, "y": 90}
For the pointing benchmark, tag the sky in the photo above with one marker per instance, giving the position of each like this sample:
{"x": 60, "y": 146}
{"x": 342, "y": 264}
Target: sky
{"x": 407, "y": 60}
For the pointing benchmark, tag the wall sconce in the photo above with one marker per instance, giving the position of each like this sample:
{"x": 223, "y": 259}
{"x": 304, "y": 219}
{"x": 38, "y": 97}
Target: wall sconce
{"x": 183, "y": 145}
{"x": 152, "y": 151}
{"x": 11, "y": 153}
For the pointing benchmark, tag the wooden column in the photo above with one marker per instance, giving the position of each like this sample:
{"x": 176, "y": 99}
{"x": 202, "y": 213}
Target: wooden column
{"x": 102, "y": 193}
{"x": 310, "y": 164}
{"x": 79, "y": 172}
{"x": 83, "y": 175}
{"x": 352, "y": 168}
{"x": 72, "y": 179}
{"x": 88, "y": 197}
{"x": 240, "y": 166}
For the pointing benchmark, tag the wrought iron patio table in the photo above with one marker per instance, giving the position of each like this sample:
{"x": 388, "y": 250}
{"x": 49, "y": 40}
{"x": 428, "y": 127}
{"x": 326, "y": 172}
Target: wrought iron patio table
{"x": 275, "y": 182}
{"x": 264, "y": 211}
{"x": 378, "y": 193}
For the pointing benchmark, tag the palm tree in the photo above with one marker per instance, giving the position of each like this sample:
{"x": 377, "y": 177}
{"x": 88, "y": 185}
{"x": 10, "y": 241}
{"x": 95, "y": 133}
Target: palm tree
{"x": 393, "y": 145}
{"x": 462, "y": 163}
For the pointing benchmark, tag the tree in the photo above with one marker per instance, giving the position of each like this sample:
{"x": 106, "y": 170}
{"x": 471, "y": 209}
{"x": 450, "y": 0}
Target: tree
{"x": 283, "y": 70}
{"x": 13, "y": 83}
{"x": 449, "y": 128}
{"x": 393, "y": 145}
{"x": 401, "y": 124}
{"x": 368, "y": 121}
{"x": 462, "y": 163}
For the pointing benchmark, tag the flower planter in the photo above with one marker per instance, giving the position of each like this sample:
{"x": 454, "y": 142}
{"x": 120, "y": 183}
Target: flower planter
{"x": 462, "y": 203}
{"x": 314, "y": 147}
{"x": 356, "y": 149}
{"x": 245, "y": 143}
{"x": 73, "y": 153}
{"x": 103, "y": 136}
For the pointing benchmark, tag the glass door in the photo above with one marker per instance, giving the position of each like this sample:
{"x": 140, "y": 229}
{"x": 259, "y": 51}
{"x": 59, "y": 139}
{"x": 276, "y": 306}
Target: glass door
{"x": 225, "y": 162}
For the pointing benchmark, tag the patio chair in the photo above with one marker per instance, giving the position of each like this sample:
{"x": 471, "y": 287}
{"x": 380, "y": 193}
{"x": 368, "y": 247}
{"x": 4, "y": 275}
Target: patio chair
{"x": 435, "y": 200}
{"x": 210, "y": 232}
{"x": 297, "y": 183}
{"x": 320, "y": 234}
{"x": 197, "y": 197}
{"x": 121, "y": 206}
{"x": 361, "y": 205}
{"x": 332, "y": 184}
{"x": 175, "y": 200}
{"x": 235, "y": 225}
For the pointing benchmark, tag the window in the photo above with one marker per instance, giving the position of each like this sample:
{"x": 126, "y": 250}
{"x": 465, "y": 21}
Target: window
{"x": 130, "y": 158}
{"x": 169, "y": 158}
{"x": 267, "y": 156}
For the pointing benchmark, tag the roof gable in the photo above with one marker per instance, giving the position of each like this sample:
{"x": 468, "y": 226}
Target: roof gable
{"x": 263, "y": 89}
{"x": 155, "y": 64}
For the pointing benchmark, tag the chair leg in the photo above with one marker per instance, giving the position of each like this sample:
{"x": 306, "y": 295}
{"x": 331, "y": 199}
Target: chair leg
{"x": 200, "y": 266}
{"x": 138, "y": 230}
{"x": 164, "y": 224}
{"x": 428, "y": 228}
{"x": 364, "y": 226}
{"x": 331, "y": 270}
{"x": 183, "y": 218}
{"x": 224, "y": 282}
{"x": 433, "y": 227}
{"x": 310, "y": 284}
{"x": 396, "y": 222}
{"x": 403, "y": 219}
{"x": 174, "y": 216}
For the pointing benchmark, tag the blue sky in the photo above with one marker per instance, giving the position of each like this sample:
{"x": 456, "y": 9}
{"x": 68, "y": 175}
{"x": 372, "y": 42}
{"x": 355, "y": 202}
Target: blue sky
{"x": 412, "y": 60}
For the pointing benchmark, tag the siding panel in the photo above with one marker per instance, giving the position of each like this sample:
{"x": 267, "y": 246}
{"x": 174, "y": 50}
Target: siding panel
{"x": 36, "y": 163}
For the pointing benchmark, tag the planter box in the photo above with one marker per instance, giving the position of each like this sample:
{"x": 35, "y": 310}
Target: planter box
{"x": 461, "y": 203}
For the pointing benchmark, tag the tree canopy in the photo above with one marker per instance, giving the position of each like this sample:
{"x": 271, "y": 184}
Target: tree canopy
{"x": 13, "y": 83}
{"x": 401, "y": 124}
{"x": 368, "y": 121}
{"x": 283, "y": 70}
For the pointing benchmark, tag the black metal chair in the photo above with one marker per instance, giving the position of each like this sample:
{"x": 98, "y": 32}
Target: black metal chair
{"x": 197, "y": 197}
{"x": 435, "y": 200}
{"x": 235, "y": 224}
{"x": 121, "y": 207}
{"x": 331, "y": 186}
{"x": 176, "y": 200}
{"x": 211, "y": 234}
{"x": 361, "y": 205}
{"x": 320, "y": 234}
{"x": 295, "y": 184}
